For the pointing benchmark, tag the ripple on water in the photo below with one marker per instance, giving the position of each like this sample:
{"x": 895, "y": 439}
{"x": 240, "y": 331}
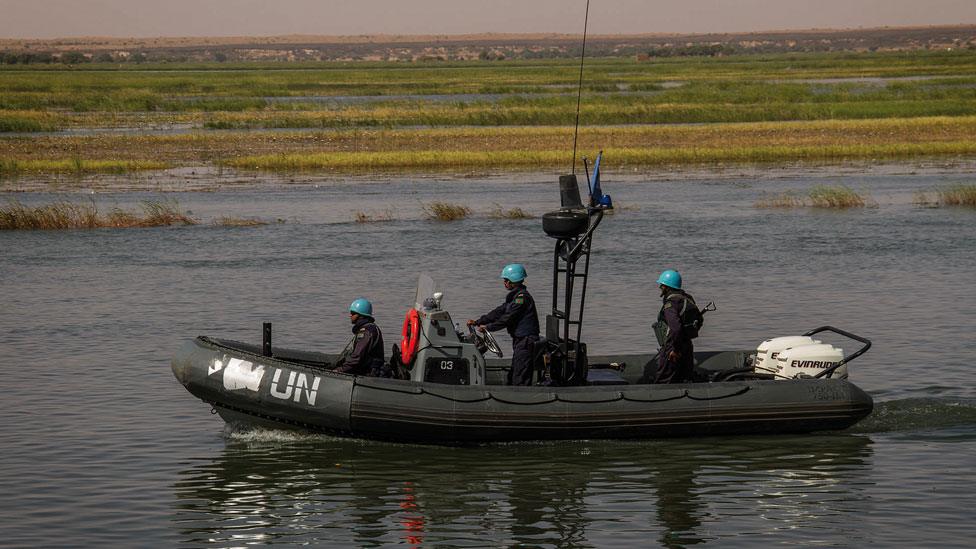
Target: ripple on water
{"x": 102, "y": 446}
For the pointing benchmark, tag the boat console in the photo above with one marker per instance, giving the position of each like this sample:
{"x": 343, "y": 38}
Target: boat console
{"x": 443, "y": 353}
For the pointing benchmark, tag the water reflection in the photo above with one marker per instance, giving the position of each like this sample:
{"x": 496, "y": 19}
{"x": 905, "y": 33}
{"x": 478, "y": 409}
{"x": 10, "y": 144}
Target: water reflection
{"x": 281, "y": 488}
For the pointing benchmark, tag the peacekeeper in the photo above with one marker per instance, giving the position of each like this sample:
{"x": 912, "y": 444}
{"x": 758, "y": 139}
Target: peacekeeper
{"x": 677, "y": 324}
{"x": 365, "y": 351}
{"x": 519, "y": 317}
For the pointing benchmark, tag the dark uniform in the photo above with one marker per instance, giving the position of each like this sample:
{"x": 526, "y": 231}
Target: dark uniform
{"x": 519, "y": 317}
{"x": 366, "y": 358}
{"x": 674, "y": 333}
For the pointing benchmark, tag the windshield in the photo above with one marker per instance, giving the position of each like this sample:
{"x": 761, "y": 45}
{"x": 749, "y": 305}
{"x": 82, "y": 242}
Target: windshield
{"x": 425, "y": 289}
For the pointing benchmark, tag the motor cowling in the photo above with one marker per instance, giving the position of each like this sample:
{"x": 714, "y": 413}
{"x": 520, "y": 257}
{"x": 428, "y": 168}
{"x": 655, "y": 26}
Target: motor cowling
{"x": 810, "y": 360}
{"x": 769, "y": 350}
{"x": 797, "y": 356}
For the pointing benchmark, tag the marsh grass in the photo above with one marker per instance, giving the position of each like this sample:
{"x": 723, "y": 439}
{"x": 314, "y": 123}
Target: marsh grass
{"x": 164, "y": 212}
{"x": 733, "y": 89}
{"x": 821, "y": 196}
{"x": 824, "y": 196}
{"x": 922, "y": 199}
{"x": 71, "y": 215}
{"x": 444, "y": 211}
{"x": 959, "y": 195}
{"x": 491, "y": 148}
{"x": 226, "y": 221}
{"x": 373, "y": 217}
{"x": 955, "y": 195}
{"x": 749, "y": 109}
{"x": 76, "y": 166}
{"x": 627, "y": 110}
{"x": 8, "y": 167}
{"x": 342, "y": 161}
{"x": 26, "y": 122}
{"x": 782, "y": 200}
{"x": 512, "y": 213}
{"x": 688, "y": 154}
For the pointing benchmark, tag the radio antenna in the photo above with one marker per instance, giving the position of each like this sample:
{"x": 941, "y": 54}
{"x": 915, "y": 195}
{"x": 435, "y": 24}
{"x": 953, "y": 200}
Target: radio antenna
{"x": 579, "y": 92}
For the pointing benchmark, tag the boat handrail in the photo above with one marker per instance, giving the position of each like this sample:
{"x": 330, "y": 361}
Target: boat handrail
{"x": 846, "y": 359}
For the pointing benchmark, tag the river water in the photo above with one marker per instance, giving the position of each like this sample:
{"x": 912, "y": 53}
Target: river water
{"x": 102, "y": 446}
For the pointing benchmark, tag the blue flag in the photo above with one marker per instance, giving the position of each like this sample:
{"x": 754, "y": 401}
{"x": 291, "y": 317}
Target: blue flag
{"x": 596, "y": 193}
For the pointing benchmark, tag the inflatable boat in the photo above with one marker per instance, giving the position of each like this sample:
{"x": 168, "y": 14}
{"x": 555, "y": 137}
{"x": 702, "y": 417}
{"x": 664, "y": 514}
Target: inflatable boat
{"x": 459, "y": 400}
{"x": 447, "y": 391}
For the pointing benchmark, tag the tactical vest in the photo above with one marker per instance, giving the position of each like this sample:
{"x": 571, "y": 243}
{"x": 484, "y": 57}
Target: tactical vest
{"x": 691, "y": 318}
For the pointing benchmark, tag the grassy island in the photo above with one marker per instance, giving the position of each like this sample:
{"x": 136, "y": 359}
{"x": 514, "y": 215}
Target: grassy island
{"x": 486, "y": 115}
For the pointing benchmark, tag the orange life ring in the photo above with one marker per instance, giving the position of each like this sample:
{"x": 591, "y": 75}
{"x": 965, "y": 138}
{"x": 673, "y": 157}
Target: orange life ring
{"x": 410, "y": 335}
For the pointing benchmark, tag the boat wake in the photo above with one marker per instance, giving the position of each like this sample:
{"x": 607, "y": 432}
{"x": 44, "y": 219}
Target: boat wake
{"x": 260, "y": 435}
{"x": 918, "y": 414}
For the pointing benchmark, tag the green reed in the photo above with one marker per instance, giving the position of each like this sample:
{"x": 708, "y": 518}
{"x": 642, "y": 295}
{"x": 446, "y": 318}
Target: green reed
{"x": 512, "y": 213}
{"x": 954, "y": 195}
{"x": 619, "y": 157}
{"x": 759, "y": 87}
{"x": 445, "y": 211}
{"x": 959, "y": 195}
{"x": 825, "y": 196}
{"x": 782, "y": 200}
{"x": 77, "y": 166}
{"x": 72, "y": 215}
{"x": 227, "y": 221}
{"x": 821, "y": 196}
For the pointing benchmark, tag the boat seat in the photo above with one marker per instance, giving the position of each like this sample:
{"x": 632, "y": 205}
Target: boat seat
{"x": 605, "y": 376}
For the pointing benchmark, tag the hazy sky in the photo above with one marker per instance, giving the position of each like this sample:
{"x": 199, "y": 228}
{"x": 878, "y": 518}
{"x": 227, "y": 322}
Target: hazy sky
{"x": 54, "y": 18}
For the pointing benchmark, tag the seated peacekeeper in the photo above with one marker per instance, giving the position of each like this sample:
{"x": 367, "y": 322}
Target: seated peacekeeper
{"x": 363, "y": 355}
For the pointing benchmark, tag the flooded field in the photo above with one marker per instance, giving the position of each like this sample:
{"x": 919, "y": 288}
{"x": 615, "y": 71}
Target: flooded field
{"x": 357, "y": 117}
{"x": 102, "y": 446}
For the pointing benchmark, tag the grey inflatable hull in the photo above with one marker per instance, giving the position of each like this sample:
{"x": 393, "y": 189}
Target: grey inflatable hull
{"x": 295, "y": 389}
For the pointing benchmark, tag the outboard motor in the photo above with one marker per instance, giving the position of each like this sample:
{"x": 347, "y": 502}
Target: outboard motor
{"x": 810, "y": 360}
{"x": 769, "y": 350}
{"x": 790, "y": 357}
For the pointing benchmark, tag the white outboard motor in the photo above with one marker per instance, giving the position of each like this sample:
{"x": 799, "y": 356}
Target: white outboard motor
{"x": 769, "y": 350}
{"x": 810, "y": 360}
{"x": 789, "y": 356}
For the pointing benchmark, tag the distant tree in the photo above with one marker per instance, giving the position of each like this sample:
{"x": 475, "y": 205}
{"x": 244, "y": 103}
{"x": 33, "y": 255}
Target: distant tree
{"x": 73, "y": 58}
{"x": 138, "y": 57}
{"x": 104, "y": 57}
{"x": 220, "y": 57}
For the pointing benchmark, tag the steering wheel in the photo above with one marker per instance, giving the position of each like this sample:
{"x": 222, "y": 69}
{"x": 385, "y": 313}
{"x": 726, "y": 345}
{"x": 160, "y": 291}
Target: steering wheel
{"x": 484, "y": 341}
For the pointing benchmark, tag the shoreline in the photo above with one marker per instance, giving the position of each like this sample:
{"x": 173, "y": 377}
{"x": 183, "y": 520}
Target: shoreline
{"x": 209, "y": 179}
{"x": 490, "y": 149}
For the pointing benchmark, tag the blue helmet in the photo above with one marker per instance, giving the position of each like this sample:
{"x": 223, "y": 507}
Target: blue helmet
{"x": 514, "y": 272}
{"x": 361, "y": 306}
{"x": 670, "y": 278}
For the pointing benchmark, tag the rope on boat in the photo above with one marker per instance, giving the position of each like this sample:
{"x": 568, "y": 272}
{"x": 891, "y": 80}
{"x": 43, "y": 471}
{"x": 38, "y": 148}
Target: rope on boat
{"x": 555, "y": 398}
{"x": 489, "y": 396}
{"x": 742, "y": 391}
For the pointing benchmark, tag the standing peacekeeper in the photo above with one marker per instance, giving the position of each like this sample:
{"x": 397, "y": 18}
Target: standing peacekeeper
{"x": 677, "y": 324}
{"x": 518, "y": 315}
{"x": 366, "y": 355}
